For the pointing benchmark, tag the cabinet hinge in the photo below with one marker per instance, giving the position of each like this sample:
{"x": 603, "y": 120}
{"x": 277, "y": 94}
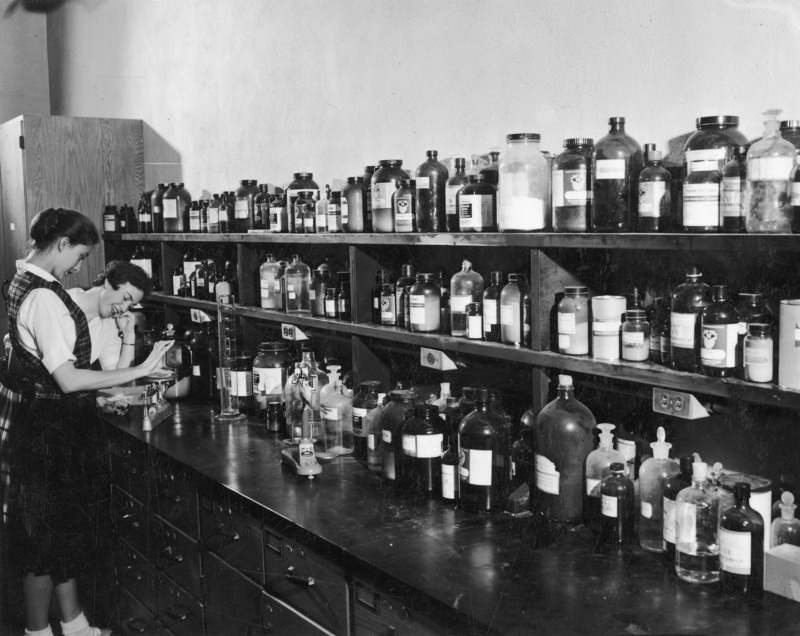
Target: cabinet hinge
{"x": 22, "y": 142}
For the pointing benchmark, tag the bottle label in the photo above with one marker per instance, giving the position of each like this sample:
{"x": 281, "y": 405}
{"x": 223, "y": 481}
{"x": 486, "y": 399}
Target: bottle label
{"x": 609, "y": 169}
{"x": 547, "y": 477}
{"x": 682, "y": 330}
{"x": 194, "y": 221}
{"x": 382, "y": 195}
{"x": 372, "y": 441}
{"x": 458, "y": 303}
{"x": 108, "y": 224}
{"x": 176, "y": 285}
{"x": 276, "y": 219}
{"x": 732, "y": 197}
{"x": 403, "y": 214}
{"x": 476, "y": 212}
{"x": 669, "y": 520}
{"x": 423, "y": 183}
{"x": 448, "y": 481}
{"x": 735, "y": 550}
{"x": 651, "y": 194}
{"x": 423, "y": 446}
{"x": 312, "y": 294}
{"x": 796, "y": 194}
{"x": 569, "y": 188}
{"x": 416, "y": 309}
{"x": 358, "y": 421}
{"x": 632, "y": 339}
{"x": 718, "y": 349}
{"x": 268, "y": 381}
{"x": 170, "y": 208}
{"x": 591, "y": 484}
{"x": 146, "y": 264}
{"x": 770, "y": 168}
{"x": 489, "y": 314}
{"x": 647, "y": 510}
{"x": 196, "y": 373}
{"x": 474, "y": 327}
{"x": 609, "y": 506}
{"x": 696, "y": 160}
{"x": 450, "y": 198}
{"x": 213, "y": 216}
{"x": 566, "y": 323}
{"x": 145, "y": 218}
{"x": 386, "y": 436}
{"x": 387, "y": 308}
{"x": 476, "y": 466}
{"x": 701, "y": 205}
{"x": 240, "y": 209}
{"x": 242, "y": 383}
{"x": 334, "y": 219}
{"x": 330, "y": 306}
{"x": 507, "y": 314}
{"x": 345, "y": 210}
{"x": 758, "y": 354}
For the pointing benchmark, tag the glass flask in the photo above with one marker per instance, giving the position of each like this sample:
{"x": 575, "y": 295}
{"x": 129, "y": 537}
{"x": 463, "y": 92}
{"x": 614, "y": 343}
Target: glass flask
{"x": 297, "y": 281}
{"x": 572, "y": 192}
{"x": 466, "y": 287}
{"x": 393, "y": 417}
{"x": 696, "y": 525}
{"x": 741, "y": 547}
{"x": 431, "y": 178}
{"x": 454, "y": 185}
{"x": 524, "y": 186}
{"x": 653, "y": 474}
{"x": 655, "y": 203}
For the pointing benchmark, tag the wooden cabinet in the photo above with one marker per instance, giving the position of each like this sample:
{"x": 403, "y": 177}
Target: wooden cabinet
{"x": 81, "y": 163}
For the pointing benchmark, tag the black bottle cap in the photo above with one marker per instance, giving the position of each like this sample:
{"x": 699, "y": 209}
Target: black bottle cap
{"x": 355, "y": 179}
{"x": 648, "y": 148}
{"x": 578, "y": 141}
{"x": 496, "y": 277}
{"x": 387, "y": 288}
{"x": 266, "y": 347}
{"x": 369, "y": 169}
{"x": 635, "y": 314}
{"x": 790, "y": 124}
{"x": 519, "y": 136}
{"x": 685, "y": 463}
{"x": 575, "y": 289}
{"x": 303, "y": 175}
{"x": 473, "y": 178}
{"x": 408, "y": 270}
{"x": 615, "y": 120}
{"x": 513, "y": 278}
{"x": 481, "y": 394}
{"x": 468, "y": 393}
{"x": 717, "y": 120}
{"x": 426, "y": 277}
{"x": 720, "y": 292}
{"x": 741, "y": 491}
{"x": 759, "y": 329}
{"x": 390, "y": 163}
{"x": 617, "y": 467}
{"x": 460, "y": 162}
{"x": 433, "y": 154}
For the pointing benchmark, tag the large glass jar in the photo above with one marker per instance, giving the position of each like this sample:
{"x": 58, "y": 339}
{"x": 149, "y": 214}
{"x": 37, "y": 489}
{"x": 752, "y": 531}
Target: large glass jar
{"x": 424, "y": 299}
{"x": 524, "y": 192}
{"x": 616, "y": 164}
{"x": 302, "y": 181}
{"x": 572, "y": 193}
{"x": 573, "y": 321}
{"x": 270, "y": 372}
{"x": 384, "y": 184}
{"x": 465, "y": 287}
{"x": 297, "y": 280}
{"x": 354, "y": 205}
{"x": 714, "y": 140}
{"x": 393, "y": 417}
{"x": 431, "y": 178}
{"x": 269, "y": 284}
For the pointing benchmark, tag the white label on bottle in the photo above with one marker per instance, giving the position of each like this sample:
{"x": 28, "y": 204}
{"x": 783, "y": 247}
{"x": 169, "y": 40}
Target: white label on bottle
{"x": 770, "y": 168}
{"x": 269, "y": 381}
{"x": 566, "y": 323}
{"x": 507, "y": 314}
{"x": 609, "y": 169}
{"x": 170, "y": 208}
{"x": 240, "y": 209}
{"x": 732, "y": 197}
{"x": 735, "y": 551}
{"x": 701, "y": 205}
{"x": 646, "y": 510}
{"x": 176, "y": 285}
{"x": 523, "y": 214}
{"x": 651, "y": 193}
{"x": 448, "y": 481}
{"x": 591, "y": 484}
{"x": 450, "y": 198}
{"x": 489, "y": 314}
{"x": 423, "y": 183}
{"x": 146, "y": 264}
{"x": 358, "y": 421}
{"x": 345, "y": 210}
{"x": 196, "y": 371}
{"x": 547, "y": 477}
{"x": 188, "y": 268}
{"x": 382, "y": 195}
{"x": 632, "y": 339}
{"x": 403, "y": 214}
{"x": 194, "y": 223}
{"x": 312, "y": 294}
{"x": 429, "y": 446}
{"x": 416, "y": 309}
{"x": 108, "y": 224}
{"x": 608, "y": 506}
{"x": 410, "y": 445}
{"x": 243, "y": 381}
{"x": 330, "y": 306}
{"x": 695, "y": 157}
{"x": 601, "y": 327}
{"x": 458, "y": 304}
{"x": 796, "y": 193}
{"x": 145, "y": 218}
{"x": 213, "y": 216}
{"x": 476, "y": 212}
{"x": 705, "y": 166}
{"x": 386, "y": 436}
{"x": 685, "y": 522}
{"x": 718, "y": 345}
{"x": 372, "y": 441}
{"x": 569, "y": 187}
{"x": 669, "y": 520}
{"x": 682, "y": 328}
{"x": 474, "y": 327}
{"x": 476, "y": 468}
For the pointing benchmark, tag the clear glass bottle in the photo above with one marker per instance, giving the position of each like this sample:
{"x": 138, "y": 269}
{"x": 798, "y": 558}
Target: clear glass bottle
{"x": 734, "y": 180}
{"x": 522, "y": 455}
{"x": 573, "y": 321}
{"x": 572, "y": 192}
{"x": 511, "y": 319}
{"x": 696, "y": 524}
{"x": 719, "y": 325}
{"x": 474, "y": 321}
{"x": 635, "y": 336}
{"x": 383, "y": 186}
{"x": 268, "y": 283}
{"x": 616, "y": 164}
{"x": 303, "y": 181}
{"x": 688, "y": 300}
{"x": 786, "y": 528}
{"x": 653, "y": 474}
{"x": 431, "y": 190}
{"x": 336, "y": 410}
{"x": 404, "y": 206}
{"x": 563, "y": 439}
{"x": 393, "y": 417}
{"x": 741, "y": 547}
{"x": 617, "y": 508}
{"x": 364, "y": 402}
{"x": 655, "y": 202}
{"x": 477, "y": 206}
{"x": 373, "y": 427}
{"x": 297, "y": 280}
{"x": 598, "y": 466}
{"x": 449, "y": 463}
{"x": 355, "y": 196}
{"x": 491, "y": 307}
{"x": 524, "y": 190}
{"x": 330, "y": 303}
{"x": 424, "y": 305}
{"x": 423, "y": 442}
{"x": 758, "y": 353}
{"x": 316, "y": 292}
{"x": 466, "y": 287}
{"x": 454, "y": 185}
{"x": 770, "y": 162}
{"x": 672, "y": 487}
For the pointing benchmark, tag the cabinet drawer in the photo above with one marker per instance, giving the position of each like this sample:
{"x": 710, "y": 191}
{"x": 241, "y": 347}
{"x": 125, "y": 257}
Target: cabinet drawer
{"x": 232, "y": 534}
{"x": 129, "y": 468}
{"x": 174, "y": 496}
{"x": 306, "y": 581}
{"x": 178, "y": 609}
{"x": 176, "y": 554}
{"x": 135, "y": 620}
{"x": 136, "y": 575}
{"x": 130, "y": 519}
{"x": 379, "y": 613}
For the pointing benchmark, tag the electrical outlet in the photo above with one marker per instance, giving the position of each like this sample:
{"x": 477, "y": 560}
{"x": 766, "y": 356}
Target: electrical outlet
{"x": 200, "y": 316}
{"x": 292, "y": 332}
{"x": 435, "y": 359}
{"x": 677, "y": 404}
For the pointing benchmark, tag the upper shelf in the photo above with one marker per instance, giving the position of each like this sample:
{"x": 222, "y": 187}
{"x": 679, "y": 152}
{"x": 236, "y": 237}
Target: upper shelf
{"x": 636, "y": 372}
{"x": 672, "y": 242}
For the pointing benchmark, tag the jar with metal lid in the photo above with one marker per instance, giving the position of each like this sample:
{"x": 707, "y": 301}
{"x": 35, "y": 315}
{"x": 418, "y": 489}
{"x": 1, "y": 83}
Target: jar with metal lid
{"x": 404, "y": 206}
{"x": 572, "y": 192}
{"x": 573, "y": 321}
{"x": 302, "y": 181}
{"x": 714, "y": 140}
{"x": 270, "y": 371}
{"x": 758, "y": 353}
{"x": 424, "y": 304}
{"x": 635, "y": 336}
{"x": 383, "y": 186}
{"x": 355, "y": 196}
{"x": 524, "y": 192}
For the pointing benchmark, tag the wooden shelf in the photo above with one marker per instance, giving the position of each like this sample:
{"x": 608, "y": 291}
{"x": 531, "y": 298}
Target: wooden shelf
{"x": 631, "y": 241}
{"x": 635, "y": 372}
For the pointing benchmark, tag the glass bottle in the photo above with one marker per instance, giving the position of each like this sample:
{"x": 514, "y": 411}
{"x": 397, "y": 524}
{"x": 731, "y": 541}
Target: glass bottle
{"x": 111, "y": 220}
{"x": 201, "y": 281}
{"x": 758, "y": 353}
{"x": 635, "y": 336}
{"x": 524, "y": 189}
{"x": 511, "y": 319}
{"x": 696, "y": 520}
{"x": 653, "y": 474}
{"x": 364, "y": 402}
{"x": 655, "y": 204}
{"x": 171, "y": 210}
{"x": 562, "y": 441}
{"x": 194, "y": 218}
{"x": 701, "y": 198}
{"x": 431, "y": 189}
{"x": 268, "y": 282}
{"x": 491, "y": 307}
{"x": 261, "y": 207}
{"x": 598, "y": 466}
{"x": 741, "y": 547}
{"x": 480, "y": 475}
{"x": 244, "y": 209}
{"x": 373, "y": 428}
{"x": 157, "y": 207}
{"x": 655, "y": 317}
{"x": 404, "y": 206}
{"x": 388, "y": 307}
{"x": 616, "y": 164}
{"x": 734, "y": 180}
{"x": 355, "y": 197}
{"x": 204, "y": 216}
{"x": 320, "y": 281}
{"x": 213, "y": 214}
{"x": 422, "y": 452}
{"x": 672, "y": 487}
{"x": 145, "y": 215}
{"x": 330, "y": 303}
{"x": 337, "y": 417}
{"x": 303, "y": 181}
{"x": 477, "y": 206}
{"x": 466, "y": 287}
{"x": 225, "y": 213}
{"x": 381, "y": 278}
{"x": 449, "y": 464}
{"x": 177, "y": 278}
{"x": 572, "y": 193}
{"x": 383, "y": 186}
{"x": 491, "y": 172}
{"x": 278, "y": 214}
{"x": 271, "y": 369}
{"x": 719, "y": 325}
{"x": 367, "y": 177}
{"x": 406, "y": 280}
{"x": 343, "y": 297}
{"x": 454, "y": 185}
{"x": 770, "y": 162}
{"x": 573, "y": 321}
{"x": 522, "y": 455}
{"x": 474, "y": 321}
{"x": 617, "y": 508}
{"x": 393, "y": 417}
{"x": 424, "y": 305}
{"x": 786, "y": 528}
{"x": 297, "y": 280}
{"x": 688, "y": 300}
{"x": 714, "y": 140}
{"x": 184, "y": 203}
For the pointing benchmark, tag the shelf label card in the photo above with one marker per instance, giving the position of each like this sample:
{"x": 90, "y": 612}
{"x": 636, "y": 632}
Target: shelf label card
{"x": 434, "y": 359}
{"x": 292, "y": 332}
{"x": 200, "y": 316}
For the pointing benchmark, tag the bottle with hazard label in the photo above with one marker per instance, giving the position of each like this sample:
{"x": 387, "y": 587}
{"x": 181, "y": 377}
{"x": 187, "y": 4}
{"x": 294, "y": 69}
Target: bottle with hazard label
{"x": 423, "y": 445}
{"x": 563, "y": 440}
{"x": 653, "y": 474}
{"x": 719, "y": 335}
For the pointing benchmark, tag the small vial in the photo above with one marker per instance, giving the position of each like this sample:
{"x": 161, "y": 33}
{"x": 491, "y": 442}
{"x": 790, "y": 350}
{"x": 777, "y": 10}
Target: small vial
{"x": 758, "y": 353}
{"x": 474, "y": 322}
{"x": 635, "y": 336}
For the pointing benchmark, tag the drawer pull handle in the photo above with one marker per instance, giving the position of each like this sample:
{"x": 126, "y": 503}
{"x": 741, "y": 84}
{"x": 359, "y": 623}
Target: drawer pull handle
{"x": 178, "y": 612}
{"x": 298, "y": 580}
{"x": 170, "y": 555}
{"x": 137, "y": 625}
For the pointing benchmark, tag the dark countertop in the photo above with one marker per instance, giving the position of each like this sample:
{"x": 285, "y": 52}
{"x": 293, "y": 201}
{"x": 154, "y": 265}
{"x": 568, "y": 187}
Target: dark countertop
{"x": 497, "y": 571}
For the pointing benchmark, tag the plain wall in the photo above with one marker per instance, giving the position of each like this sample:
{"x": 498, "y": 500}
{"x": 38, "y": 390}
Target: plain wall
{"x": 264, "y": 88}
{"x": 24, "y": 87}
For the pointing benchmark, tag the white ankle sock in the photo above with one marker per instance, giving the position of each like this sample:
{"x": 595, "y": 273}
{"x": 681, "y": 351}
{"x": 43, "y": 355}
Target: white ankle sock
{"x": 47, "y": 631}
{"x": 79, "y": 626}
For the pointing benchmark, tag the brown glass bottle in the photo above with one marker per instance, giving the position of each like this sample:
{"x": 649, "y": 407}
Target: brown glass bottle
{"x": 431, "y": 178}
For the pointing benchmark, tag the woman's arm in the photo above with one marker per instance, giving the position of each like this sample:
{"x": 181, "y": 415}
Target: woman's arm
{"x": 125, "y": 325}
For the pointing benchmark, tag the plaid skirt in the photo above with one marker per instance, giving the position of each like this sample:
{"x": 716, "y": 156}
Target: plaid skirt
{"x": 15, "y": 396}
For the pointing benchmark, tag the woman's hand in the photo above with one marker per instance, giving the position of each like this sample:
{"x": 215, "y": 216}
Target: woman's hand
{"x": 155, "y": 361}
{"x": 125, "y": 326}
